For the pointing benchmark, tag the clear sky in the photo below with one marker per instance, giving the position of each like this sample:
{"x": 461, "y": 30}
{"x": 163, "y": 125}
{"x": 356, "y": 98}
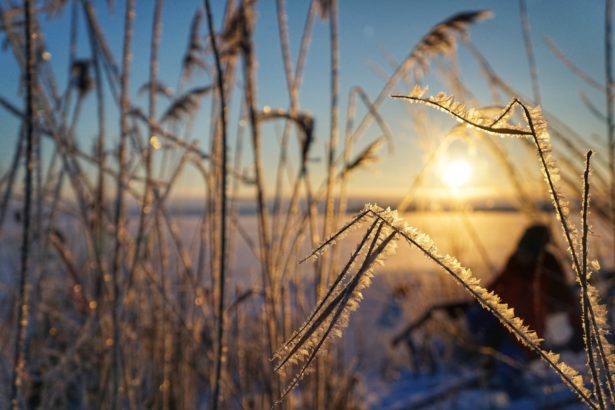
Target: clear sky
{"x": 367, "y": 30}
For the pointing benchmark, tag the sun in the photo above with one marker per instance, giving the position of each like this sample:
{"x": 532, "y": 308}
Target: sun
{"x": 457, "y": 173}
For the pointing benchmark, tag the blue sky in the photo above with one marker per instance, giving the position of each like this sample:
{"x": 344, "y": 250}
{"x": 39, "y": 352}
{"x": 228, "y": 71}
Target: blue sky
{"x": 366, "y": 29}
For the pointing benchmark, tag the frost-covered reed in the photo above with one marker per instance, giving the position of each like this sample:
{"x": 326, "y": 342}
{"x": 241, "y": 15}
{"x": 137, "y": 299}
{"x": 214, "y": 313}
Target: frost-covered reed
{"x": 330, "y": 315}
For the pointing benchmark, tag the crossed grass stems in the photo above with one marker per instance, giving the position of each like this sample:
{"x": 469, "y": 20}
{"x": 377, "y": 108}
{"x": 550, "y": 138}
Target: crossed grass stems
{"x": 174, "y": 314}
{"x": 330, "y": 315}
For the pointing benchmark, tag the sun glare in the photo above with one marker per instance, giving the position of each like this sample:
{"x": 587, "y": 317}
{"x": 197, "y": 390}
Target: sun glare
{"x": 457, "y": 173}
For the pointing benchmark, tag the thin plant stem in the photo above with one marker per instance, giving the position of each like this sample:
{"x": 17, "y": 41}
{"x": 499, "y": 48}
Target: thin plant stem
{"x": 268, "y": 276}
{"x": 223, "y": 173}
{"x": 610, "y": 121}
{"x": 21, "y": 324}
{"x": 529, "y": 49}
{"x": 120, "y": 228}
{"x": 584, "y": 280}
{"x": 585, "y": 303}
{"x": 573, "y": 67}
{"x": 324, "y": 272}
{"x": 489, "y": 307}
{"x": 294, "y": 87}
{"x": 101, "y": 157}
{"x": 153, "y": 97}
{"x": 329, "y": 199}
{"x": 8, "y": 190}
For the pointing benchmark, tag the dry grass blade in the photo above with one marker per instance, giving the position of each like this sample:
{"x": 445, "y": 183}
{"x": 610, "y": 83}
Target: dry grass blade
{"x": 11, "y": 177}
{"x": 382, "y": 124}
{"x": 529, "y": 49}
{"x": 441, "y": 38}
{"x": 591, "y": 107}
{"x": 365, "y": 157}
{"x": 335, "y": 316}
{"x": 185, "y": 106}
{"x": 232, "y": 34}
{"x": 571, "y": 66}
{"x": 341, "y": 233}
{"x": 192, "y": 57}
{"x": 84, "y": 300}
{"x": 168, "y": 135}
{"x": 304, "y": 121}
{"x": 290, "y": 347}
{"x": 160, "y": 88}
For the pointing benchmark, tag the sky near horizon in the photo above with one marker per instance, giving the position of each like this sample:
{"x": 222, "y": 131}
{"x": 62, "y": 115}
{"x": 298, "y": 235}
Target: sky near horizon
{"x": 370, "y": 32}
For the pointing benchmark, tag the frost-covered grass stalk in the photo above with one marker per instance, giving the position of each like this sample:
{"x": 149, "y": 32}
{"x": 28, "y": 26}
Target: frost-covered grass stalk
{"x": 536, "y": 130}
{"x": 304, "y": 345}
{"x": 333, "y": 310}
{"x": 584, "y": 293}
{"x": 589, "y": 298}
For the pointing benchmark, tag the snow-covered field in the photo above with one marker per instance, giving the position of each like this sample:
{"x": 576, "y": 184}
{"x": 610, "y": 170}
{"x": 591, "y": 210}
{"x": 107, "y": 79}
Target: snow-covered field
{"x": 402, "y": 290}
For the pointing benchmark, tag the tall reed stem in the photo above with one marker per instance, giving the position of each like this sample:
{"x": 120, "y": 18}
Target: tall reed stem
{"x": 585, "y": 302}
{"x": 120, "y": 228}
{"x": 101, "y": 157}
{"x": 223, "y": 183}
{"x": 324, "y": 273}
{"x": 268, "y": 277}
{"x": 529, "y": 49}
{"x": 151, "y": 118}
{"x": 334, "y": 131}
{"x": 19, "y": 366}
{"x": 610, "y": 121}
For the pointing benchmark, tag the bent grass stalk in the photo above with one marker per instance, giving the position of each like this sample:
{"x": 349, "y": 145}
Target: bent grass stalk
{"x": 335, "y": 316}
{"x": 304, "y": 345}
{"x": 304, "y": 349}
{"x": 538, "y": 133}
